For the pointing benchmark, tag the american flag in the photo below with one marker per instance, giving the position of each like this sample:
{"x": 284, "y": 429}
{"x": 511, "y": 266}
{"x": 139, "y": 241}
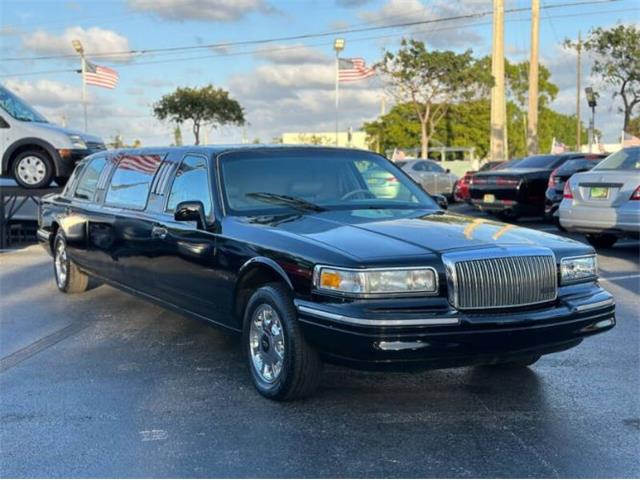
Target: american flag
{"x": 629, "y": 140}
{"x": 100, "y": 76}
{"x": 147, "y": 164}
{"x": 353, "y": 69}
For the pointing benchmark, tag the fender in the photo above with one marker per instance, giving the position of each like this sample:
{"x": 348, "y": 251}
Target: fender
{"x": 266, "y": 262}
{"x": 53, "y": 153}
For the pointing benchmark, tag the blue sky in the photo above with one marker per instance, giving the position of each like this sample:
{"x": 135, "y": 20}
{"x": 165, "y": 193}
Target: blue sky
{"x": 284, "y": 85}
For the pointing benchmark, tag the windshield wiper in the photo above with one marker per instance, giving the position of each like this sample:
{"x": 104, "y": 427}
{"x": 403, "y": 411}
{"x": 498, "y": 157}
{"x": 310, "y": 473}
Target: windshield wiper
{"x": 276, "y": 198}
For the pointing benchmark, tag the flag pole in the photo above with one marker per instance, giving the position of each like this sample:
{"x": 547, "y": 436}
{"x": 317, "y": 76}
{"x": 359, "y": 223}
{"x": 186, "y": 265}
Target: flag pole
{"x": 338, "y": 46}
{"x": 77, "y": 46}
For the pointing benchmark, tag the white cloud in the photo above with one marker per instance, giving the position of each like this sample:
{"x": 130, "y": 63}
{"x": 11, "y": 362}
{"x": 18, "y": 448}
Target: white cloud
{"x": 212, "y": 10}
{"x": 95, "y": 40}
{"x": 46, "y": 93}
{"x": 450, "y": 34}
{"x": 291, "y": 54}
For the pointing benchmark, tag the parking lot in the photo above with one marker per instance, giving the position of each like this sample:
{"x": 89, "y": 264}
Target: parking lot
{"x": 104, "y": 384}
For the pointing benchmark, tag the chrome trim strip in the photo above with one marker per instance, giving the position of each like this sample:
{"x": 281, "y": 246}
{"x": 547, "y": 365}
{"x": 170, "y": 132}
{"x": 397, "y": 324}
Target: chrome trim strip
{"x": 590, "y": 306}
{"x": 382, "y": 323}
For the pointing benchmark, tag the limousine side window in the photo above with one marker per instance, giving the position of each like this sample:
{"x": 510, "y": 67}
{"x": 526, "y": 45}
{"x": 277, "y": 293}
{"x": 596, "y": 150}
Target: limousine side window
{"x": 191, "y": 183}
{"x": 86, "y": 188}
{"x": 131, "y": 181}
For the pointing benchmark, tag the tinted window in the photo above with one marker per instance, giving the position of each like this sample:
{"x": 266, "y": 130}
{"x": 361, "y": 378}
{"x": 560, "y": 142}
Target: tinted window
{"x": 539, "y": 161}
{"x": 577, "y": 164}
{"x": 420, "y": 166}
{"x": 191, "y": 183}
{"x": 331, "y": 180}
{"x": 86, "y": 188}
{"x": 131, "y": 181}
{"x": 625, "y": 159}
{"x": 434, "y": 167}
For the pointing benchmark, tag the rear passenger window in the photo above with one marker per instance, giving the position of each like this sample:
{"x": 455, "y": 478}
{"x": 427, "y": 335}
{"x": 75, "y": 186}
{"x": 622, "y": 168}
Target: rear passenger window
{"x": 130, "y": 182}
{"x": 86, "y": 188}
{"x": 191, "y": 183}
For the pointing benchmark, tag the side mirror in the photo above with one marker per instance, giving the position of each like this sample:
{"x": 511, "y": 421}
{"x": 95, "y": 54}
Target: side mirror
{"x": 441, "y": 200}
{"x": 191, "y": 211}
{"x": 448, "y": 170}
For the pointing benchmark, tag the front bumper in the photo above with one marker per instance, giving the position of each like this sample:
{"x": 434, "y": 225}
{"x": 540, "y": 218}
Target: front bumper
{"x": 451, "y": 338}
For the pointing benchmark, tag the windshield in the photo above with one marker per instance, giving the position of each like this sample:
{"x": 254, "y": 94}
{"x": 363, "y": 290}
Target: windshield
{"x": 539, "y": 161}
{"x": 625, "y": 159}
{"x": 267, "y": 181}
{"x": 18, "y": 108}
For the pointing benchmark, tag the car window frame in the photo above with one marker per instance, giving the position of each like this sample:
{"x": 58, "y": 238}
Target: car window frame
{"x": 167, "y": 195}
{"x": 113, "y": 171}
{"x": 85, "y": 165}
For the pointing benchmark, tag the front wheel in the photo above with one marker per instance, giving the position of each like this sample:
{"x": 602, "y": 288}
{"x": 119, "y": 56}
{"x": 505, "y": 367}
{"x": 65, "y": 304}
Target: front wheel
{"x": 282, "y": 365}
{"x": 69, "y": 278}
{"x": 33, "y": 169}
{"x": 603, "y": 240}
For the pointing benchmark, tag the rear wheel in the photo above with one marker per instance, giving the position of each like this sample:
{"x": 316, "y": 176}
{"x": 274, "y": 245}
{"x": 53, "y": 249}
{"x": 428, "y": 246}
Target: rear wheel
{"x": 33, "y": 169}
{"x": 282, "y": 365}
{"x": 69, "y": 278}
{"x": 603, "y": 240}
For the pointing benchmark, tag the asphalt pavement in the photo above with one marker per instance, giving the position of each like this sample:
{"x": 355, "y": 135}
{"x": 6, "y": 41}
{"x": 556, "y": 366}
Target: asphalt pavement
{"x": 106, "y": 385}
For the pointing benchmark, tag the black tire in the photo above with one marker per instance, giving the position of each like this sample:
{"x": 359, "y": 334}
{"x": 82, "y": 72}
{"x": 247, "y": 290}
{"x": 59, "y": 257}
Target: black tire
{"x": 44, "y": 177}
{"x": 301, "y": 365}
{"x": 603, "y": 240}
{"x": 61, "y": 181}
{"x": 556, "y": 222}
{"x": 506, "y": 216}
{"x": 72, "y": 280}
{"x": 524, "y": 361}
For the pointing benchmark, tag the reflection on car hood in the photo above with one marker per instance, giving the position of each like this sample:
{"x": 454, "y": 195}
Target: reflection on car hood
{"x": 396, "y": 233}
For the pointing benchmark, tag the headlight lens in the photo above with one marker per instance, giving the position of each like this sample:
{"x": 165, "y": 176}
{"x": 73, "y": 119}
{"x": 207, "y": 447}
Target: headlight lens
{"x": 578, "y": 269}
{"x": 376, "y": 281}
{"x": 77, "y": 141}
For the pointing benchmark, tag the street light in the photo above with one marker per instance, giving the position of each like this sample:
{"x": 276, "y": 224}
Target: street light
{"x": 77, "y": 46}
{"x": 338, "y": 46}
{"x": 592, "y": 101}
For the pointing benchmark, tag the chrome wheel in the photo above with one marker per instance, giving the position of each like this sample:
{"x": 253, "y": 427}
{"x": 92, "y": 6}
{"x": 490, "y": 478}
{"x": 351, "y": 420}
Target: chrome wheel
{"x": 31, "y": 170}
{"x": 61, "y": 265}
{"x": 266, "y": 343}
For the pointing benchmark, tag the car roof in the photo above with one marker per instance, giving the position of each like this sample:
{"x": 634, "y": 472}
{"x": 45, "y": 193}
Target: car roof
{"x": 224, "y": 148}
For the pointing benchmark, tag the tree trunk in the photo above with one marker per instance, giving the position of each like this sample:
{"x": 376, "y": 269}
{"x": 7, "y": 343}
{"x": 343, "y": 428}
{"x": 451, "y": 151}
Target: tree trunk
{"x": 196, "y": 132}
{"x": 424, "y": 139}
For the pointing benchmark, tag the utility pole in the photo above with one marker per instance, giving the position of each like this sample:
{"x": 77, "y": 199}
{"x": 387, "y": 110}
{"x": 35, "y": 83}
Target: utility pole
{"x": 578, "y": 87}
{"x": 532, "y": 124}
{"x": 498, "y": 142}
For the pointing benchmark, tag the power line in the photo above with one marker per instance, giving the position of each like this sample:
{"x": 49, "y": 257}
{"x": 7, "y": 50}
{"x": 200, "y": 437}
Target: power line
{"x": 306, "y": 35}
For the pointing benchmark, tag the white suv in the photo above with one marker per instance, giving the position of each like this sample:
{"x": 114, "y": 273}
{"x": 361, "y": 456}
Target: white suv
{"x": 34, "y": 151}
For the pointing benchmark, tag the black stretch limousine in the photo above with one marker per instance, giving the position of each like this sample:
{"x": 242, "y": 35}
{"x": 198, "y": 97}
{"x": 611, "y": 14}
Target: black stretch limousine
{"x": 301, "y": 251}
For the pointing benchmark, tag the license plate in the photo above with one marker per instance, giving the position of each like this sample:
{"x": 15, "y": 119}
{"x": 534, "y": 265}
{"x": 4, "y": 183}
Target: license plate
{"x": 599, "y": 193}
{"x": 489, "y": 198}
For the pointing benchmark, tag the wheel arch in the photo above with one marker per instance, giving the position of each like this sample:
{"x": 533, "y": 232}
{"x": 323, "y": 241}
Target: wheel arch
{"x": 29, "y": 143}
{"x": 254, "y": 273}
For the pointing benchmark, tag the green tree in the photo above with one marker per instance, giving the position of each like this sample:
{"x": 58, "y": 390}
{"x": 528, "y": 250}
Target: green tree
{"x": 177, "y": 136}
{"x": 203, "y": 106}
{"x": 634, "y": 126}
{"x": 430, "y": 81}
{"x": 616, "y": 53}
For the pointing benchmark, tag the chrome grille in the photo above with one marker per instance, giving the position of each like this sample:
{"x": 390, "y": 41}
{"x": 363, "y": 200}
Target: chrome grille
{"x": 502, "y": 281}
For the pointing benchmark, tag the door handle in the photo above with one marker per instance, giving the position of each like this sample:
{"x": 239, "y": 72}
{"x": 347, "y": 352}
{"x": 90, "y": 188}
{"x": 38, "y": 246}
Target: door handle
{"x": 159, "y": 232}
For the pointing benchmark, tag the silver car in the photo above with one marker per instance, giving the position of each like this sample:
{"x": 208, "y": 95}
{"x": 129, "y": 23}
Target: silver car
{"x": 604, "y": 203}
{"x": 434, "y": 179}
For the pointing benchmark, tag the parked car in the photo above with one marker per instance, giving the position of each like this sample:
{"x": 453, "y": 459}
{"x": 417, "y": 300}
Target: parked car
{"x": 604, "y": 203}
{"x": 35, "y": 152}
{"x": 518, "y": 189}
{"x": 557, "y": 179}
{"x": 461, "y": 187}
{"x": 289, "y": 247}
{"x": 432, "y": 177}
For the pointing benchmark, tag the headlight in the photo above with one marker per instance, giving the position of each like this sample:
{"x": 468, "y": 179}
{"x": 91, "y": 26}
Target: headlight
{"x": 578, "y": 269}
{"x": 376, "y": 281}
{"x": 77, "y": 141}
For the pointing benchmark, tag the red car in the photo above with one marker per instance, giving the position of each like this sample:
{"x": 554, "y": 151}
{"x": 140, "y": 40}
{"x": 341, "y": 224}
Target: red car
{"x": 461, "y": 188}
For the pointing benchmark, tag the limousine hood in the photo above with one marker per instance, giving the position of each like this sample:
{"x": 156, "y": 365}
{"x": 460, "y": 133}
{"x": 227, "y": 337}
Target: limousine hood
{"x": 371, "y": 234}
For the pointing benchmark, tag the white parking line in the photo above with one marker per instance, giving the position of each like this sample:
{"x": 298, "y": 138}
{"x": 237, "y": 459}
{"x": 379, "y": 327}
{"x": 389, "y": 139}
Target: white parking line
{"x": 621, "y": 277}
